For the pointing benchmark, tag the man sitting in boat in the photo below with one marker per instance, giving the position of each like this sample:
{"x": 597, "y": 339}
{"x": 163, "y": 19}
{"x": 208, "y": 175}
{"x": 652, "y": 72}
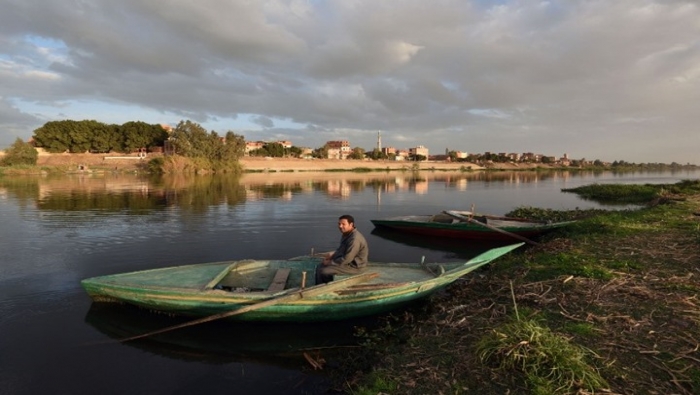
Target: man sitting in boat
{"x": 351, "y": 256}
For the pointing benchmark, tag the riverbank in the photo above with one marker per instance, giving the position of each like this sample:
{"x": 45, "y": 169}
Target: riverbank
{"x": 621, "y": 288}
{"x": 133, "y": 163}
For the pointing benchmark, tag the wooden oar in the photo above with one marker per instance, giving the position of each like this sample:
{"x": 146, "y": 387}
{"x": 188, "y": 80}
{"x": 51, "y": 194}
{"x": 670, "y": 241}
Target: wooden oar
{"x": 287, "y": 296}
{"x": 472, "y": 220}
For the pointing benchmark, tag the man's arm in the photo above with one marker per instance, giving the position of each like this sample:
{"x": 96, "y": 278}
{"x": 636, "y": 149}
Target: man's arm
{"x": 350, "y": 248}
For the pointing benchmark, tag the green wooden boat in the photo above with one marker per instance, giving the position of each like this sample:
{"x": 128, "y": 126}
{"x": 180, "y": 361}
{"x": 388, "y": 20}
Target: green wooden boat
{"x": 278, "y": 290}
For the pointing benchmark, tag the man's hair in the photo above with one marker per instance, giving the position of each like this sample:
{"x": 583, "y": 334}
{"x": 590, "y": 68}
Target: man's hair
{"x": 348, "y": 217}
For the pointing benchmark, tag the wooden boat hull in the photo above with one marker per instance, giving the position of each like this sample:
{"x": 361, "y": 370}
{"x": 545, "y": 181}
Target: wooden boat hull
{"x": 219, "y": 287}
{"x": 426, "y": 225}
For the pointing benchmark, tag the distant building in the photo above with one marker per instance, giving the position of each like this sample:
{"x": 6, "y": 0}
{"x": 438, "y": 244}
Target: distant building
{"x": 338, "y": 149}
{"x": 306, "y": 152}
{"x": 402, "y": 154}
{"x": 419, "y": 150}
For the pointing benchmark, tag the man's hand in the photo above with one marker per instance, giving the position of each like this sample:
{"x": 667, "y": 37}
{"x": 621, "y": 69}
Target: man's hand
{"x": 327, "y": 259}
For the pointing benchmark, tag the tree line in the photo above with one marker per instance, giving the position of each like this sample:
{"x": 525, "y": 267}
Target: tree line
{"x": 206, "y": 150}
{"x": 97, "y": 137}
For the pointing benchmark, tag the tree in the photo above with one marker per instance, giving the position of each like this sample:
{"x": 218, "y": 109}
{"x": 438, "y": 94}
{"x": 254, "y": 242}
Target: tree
{"x": 192, "y": 140}
{"x": 376, "y": 154}
{"x": 139, "y": 135}
{"x": 234, "y": 147}
{"x": 321, "y": 153}
{"x": 275, "y": 150}
{"x": 106, "y": 138}
{"x": 357, "y": 153}
{"x": 20, "y": 153}
{"x": 54, "y": 136}
{"x": 293, "y": 151}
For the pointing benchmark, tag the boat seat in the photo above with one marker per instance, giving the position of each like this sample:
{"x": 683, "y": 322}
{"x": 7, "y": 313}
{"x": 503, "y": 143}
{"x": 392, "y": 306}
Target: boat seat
{"x": 279, "y": 280}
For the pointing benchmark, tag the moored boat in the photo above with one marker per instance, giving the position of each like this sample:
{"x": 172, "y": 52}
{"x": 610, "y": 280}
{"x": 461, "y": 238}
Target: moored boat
{"x": 466, "y": 225}
{"x": 278, "y": 290}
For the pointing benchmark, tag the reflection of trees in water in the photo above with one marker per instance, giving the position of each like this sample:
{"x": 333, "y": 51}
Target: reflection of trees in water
{"x": 24, "y": 189}
{"x": 127, "y": 195}
{"x": 134, "y": 195}
{"x": 202, "y": 192}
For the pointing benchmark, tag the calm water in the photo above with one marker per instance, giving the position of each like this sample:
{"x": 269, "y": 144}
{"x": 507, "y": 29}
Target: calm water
{"x": 56, "y": 231}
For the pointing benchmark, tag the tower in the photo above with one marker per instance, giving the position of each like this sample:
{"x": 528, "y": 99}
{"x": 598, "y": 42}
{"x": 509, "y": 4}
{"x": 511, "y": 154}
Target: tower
{"x": 379, "y": 141}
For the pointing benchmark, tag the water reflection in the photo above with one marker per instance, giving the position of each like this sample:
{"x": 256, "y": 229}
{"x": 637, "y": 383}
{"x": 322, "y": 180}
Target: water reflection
{"x": 134, "y": 195}
{"x": 280, "y": 343}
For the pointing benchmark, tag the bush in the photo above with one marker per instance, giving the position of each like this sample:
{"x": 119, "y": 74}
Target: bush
{"x": 20, "y": 153}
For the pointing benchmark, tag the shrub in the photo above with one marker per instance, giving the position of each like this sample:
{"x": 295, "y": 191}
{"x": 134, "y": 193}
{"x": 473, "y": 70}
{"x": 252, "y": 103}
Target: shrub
{"x": 20, "y": 153}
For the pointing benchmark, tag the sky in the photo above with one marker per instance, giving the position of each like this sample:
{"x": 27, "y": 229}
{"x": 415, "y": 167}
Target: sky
{"x": 593, "y": 79}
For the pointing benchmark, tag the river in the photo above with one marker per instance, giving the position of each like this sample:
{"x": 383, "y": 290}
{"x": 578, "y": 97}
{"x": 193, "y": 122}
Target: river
{"x": 57, "y": 230}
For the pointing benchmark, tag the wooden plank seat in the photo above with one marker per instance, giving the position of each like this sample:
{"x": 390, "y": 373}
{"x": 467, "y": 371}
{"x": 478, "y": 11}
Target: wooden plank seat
{"x": 280, "y": 280}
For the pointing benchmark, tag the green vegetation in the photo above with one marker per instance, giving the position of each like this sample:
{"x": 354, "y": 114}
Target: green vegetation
{"x": 635, "y": 194}
{"x": 97, "y": 137}
{"x": 609, "y": 304}
{"x": 19, "y": 154}
{"x": 549, "y": 362}
{"x": 195, "y": 150}
{"x": 276, "y": 150}
{"x": 188, "y": 194}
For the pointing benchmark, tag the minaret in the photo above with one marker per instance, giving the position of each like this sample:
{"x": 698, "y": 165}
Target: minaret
{"x": 379, "y": 141}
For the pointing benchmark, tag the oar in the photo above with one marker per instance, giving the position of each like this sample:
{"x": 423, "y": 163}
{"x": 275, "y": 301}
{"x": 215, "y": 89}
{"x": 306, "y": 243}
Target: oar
{"x": 468, "y": 219}
{"x": 287, "y": 296}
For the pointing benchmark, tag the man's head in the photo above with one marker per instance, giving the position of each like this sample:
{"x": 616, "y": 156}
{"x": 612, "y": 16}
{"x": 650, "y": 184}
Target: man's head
{"x": 346, "y": 223}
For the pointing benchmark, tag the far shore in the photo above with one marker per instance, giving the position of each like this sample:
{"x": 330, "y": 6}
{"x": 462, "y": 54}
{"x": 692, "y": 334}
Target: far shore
{"x": 132, "y": 162}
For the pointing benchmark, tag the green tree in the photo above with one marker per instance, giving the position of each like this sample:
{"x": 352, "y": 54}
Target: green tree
{"x": 106, "y": 138}
{"x": 376, "y": 154}
{"x": 192, "y": 140}
{"x": 20, "y": 153}
{"x": 234, "y": 147}
{"x": 139, "y": 135}
{"x": 293, "y": 151}
{"x": 321, "y": 153}
{"x": 275, "y": 150}
{"x": 260, "y": 152}
{"x": 54, "y": 136}
{"x": 357, "y": 153}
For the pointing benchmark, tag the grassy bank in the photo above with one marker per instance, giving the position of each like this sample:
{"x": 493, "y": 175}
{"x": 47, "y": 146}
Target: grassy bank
{"x": 610, "y": 305}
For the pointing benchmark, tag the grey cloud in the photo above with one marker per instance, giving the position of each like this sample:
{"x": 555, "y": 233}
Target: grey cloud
{"x": 563, "y": 76}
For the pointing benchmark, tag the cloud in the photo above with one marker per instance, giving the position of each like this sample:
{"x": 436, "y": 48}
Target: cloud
{"x": 594, "y": 79}
{"x": 263, "y": 121}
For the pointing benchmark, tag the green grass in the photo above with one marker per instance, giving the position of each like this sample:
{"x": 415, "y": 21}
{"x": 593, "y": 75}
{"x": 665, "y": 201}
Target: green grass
{"x": 633, "y": 193}
{"x": 548, "y": 361}
{"x": 379, "y": 385}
